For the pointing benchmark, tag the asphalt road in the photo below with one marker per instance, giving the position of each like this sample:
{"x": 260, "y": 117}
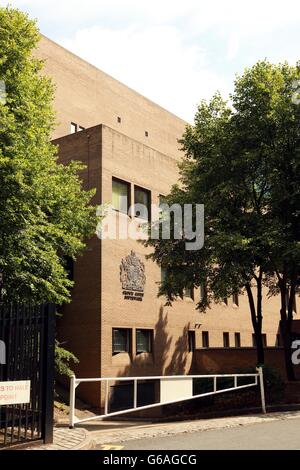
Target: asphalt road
{"x": 275, "y": 435}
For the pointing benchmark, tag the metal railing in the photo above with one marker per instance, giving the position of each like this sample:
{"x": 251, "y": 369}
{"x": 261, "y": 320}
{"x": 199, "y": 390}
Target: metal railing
{"x": 75, "y": 382}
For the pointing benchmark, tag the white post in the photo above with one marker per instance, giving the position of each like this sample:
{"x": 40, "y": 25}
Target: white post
{"x": 215, "y": 384}
{"x": 135, "y": 394}
{"x": 262, "y": 389}
{"x": 106, "y": 397}
{"x": 235, "y": 381}
{"x": 72, "y": 402}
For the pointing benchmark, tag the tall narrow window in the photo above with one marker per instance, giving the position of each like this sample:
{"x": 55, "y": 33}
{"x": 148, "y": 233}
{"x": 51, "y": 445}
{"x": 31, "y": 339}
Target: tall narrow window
{"x": 226, "y": 341}
{"x": 120, "y": 195}
{"x": 225, "y": 301}
{"x": 142, "y": 203}
{"x": 235, "y": 299}
{"x": 278, "y": 341}
{"x": 294, "y": 304}
{"x": 144, "y": 340}
{"x": 264, "y": 340}
{"x": 202, "y": 292}
{"x": 192, "y": 341}
{"x": 237, "y": 340}
{"x": 121, "y": 340}
{"x": 163, "y": 273}
{"x": 188, "y": 292}
{"x": 205, "y": 339}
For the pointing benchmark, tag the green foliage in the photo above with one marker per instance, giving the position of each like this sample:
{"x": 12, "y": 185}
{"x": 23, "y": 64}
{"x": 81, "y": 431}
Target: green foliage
{"x": 242, "y": 162}
{"x": 45, "y": 215}
{"x": 63, "y": 360}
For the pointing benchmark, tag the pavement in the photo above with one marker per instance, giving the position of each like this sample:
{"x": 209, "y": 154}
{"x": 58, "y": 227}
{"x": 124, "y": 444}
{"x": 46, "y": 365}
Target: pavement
{"x": 275, "y": 435}
{"x": 67, "y": 439}
{"x": 191, "y": 434}
{"x": 241, "y": 433}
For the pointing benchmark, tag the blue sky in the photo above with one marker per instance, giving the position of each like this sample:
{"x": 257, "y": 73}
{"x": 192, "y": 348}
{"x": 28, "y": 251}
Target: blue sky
{"x": 174, "y": 52}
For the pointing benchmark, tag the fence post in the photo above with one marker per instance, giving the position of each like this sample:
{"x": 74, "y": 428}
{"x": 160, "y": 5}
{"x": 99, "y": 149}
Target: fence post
{"x": 72, "y": 402}
{"x": 262, "y": 389}
{"x": 48, "y": 369}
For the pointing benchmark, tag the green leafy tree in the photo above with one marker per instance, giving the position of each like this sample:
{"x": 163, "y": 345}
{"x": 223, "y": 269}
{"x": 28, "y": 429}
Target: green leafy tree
{"x": 268, "y": 108}
{"x": 45, "y": 214}
{"x": 232, "y": 257}
{"x": 242, "y": 162}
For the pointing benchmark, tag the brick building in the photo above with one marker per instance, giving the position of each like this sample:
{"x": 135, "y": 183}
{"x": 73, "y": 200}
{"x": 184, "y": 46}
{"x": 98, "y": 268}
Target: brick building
{"x": 130, "y": 146}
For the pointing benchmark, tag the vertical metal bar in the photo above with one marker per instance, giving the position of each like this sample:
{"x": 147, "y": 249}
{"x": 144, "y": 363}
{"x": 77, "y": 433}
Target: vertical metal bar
{"x": 72, "y": 402}
{"x": 215, "y": 384}
{"x": 48, "y": 386}
{"x": 262, "y": 389}
{"x": 106, "y": 397}
{"x": 135, "y": 394}
{"x": 235, "y": 381}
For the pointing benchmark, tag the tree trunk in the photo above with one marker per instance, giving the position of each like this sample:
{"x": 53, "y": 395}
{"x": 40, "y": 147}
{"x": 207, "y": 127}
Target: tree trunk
{"x": 256, "y": 318}
{"x": 286, "y": 327}
{"x": 259, "y": 349}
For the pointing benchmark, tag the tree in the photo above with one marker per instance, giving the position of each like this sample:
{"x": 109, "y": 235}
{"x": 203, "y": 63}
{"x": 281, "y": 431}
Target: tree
{"x": 231, "y": 259}
{"x": 267, "y": 104}
{"x": 45, "y": 214}
{"x": 242, "y": 162}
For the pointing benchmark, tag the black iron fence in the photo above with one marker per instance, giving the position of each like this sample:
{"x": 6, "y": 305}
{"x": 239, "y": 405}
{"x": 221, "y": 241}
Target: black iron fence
{"x": 27, "y": 337}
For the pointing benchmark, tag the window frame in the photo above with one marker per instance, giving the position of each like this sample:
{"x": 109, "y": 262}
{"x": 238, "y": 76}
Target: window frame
{"x": 226, "y": 339}
{"x": 128, "y": 341}
{"x": 191, "y": 340}
{"x": 149, "y": 340}
{"x": 149, "y": 199}
{"x": 205, "y": 343}
{"x": 128, "y": 185}
{"x": 237, "y": 339}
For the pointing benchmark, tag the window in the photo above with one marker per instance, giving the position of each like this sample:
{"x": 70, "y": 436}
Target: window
{"x": 73, "y": 128}
{"x": 202, "y": 292}
{"x": 144, "y": 340}
{"x": 119, "y": 120}
{"x": 278, "y": 341}
{"x": 225, "y": 300}
{"x": 163, "y": 273}
{"x": 264, "y": 340}
{"x": 237, "y": 340}
{"x": 205, "y": 339}
{"x": 235, "y": 299}
{"x": 188, "y": 292}
{"x": 226, "y": 341}
{"x": 121, "y": 339}
{"x": 192, "y": 341}
{"x": 120, "y": 195}
{"x": 146, "y": 134}
{"x": 142, "y": 203}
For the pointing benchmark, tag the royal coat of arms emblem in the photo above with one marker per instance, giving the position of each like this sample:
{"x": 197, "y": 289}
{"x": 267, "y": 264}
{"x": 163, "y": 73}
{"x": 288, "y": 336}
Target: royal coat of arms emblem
{"x": 132, "y": 273}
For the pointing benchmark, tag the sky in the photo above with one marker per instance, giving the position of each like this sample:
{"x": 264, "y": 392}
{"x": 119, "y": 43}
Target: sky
{"x": 175, "y": 52}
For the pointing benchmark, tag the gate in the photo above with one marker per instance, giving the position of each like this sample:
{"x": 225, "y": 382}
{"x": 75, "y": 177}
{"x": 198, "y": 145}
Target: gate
{"x": 172, "y": 389}
{"x": 27, "y": 334}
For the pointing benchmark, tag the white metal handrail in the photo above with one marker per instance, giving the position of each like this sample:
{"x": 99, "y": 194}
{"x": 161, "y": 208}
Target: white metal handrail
{"x": 76, "y": 381}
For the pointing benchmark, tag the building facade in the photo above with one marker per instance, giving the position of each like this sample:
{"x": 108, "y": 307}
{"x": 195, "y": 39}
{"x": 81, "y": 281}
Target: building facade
{"x": 116, "y": 324}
